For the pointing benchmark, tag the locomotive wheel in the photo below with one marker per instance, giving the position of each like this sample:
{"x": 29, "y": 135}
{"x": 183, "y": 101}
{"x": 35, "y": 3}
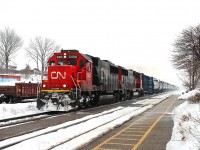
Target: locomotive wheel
{"x": 120, "y": 96}
{"x": 92, "y": 103}
{"x": 130, "y": 95}
{"x": 94, "y": 100}
{"x": 87, "y": 101}
{"x": 117, "y": 97}
{"x": 142, "y": 93}
{"x": 83, "y": 103}
{"x": 125, "y": 97}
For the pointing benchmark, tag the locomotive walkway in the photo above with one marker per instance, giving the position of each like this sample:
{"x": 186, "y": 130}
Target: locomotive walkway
{"x": 149, "y": 131}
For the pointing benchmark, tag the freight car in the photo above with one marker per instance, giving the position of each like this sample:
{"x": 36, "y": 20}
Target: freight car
{"x": 18, "y": 92}
{"x": 78, "y": 79}
{"x": 156, "y": 85}
{"x": 148, "y": 84}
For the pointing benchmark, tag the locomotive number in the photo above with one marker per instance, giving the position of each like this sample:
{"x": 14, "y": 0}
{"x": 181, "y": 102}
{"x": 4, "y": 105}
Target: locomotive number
{"x": 58, "y": 75}
{"x": 73, "y": 56}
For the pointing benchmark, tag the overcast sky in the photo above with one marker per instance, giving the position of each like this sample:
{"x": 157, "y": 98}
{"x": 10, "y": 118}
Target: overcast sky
{"x": 136, "y": 34}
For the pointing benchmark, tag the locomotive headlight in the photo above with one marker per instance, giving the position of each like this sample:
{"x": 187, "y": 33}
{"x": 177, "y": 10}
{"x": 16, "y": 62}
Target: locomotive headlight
{"x": 64, "y": 85}
{"x": 44, "y": 85}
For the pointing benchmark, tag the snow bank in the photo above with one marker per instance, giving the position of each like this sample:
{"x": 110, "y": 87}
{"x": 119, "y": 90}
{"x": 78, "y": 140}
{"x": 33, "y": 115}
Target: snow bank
{"x": 189, "y": 95}
{"x": 186, "y": 130}
{"x": 16, "y": 110}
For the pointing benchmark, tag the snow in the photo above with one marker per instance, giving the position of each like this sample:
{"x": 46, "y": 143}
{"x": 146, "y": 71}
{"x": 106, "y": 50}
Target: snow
{"x": 185, "y": 135}
{"x": 186, "y": 117}
{"x": 101, "y": 124}
{"x": 189, "y": 94}
{"x": 17, "y": 110}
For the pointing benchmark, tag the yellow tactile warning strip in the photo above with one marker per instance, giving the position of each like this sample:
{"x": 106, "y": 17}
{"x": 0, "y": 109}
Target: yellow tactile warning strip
{"x": 132, "y": 136}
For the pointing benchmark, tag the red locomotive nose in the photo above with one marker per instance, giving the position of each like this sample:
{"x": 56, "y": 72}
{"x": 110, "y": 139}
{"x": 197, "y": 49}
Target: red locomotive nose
{"x": 60, "y": 77}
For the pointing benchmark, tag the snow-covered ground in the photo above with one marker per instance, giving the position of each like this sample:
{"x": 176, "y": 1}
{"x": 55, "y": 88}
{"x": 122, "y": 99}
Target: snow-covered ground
{"x": 16, "y": 110}
{"x": 185, "y": 135}
{"x": 99, "y": 125}
{"x": 186, "y": 117}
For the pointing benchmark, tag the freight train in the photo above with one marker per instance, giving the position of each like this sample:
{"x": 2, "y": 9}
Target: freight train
{"x": 79, "y": 80}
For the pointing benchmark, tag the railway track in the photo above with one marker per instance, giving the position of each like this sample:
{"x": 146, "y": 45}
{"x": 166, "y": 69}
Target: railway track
{"x": 71, "y": 124}
{"x": 33, "y": 117}
{"x": 85, "y": 122}
{"x": 12, "y": 141}
{"x": 27, "y": 118}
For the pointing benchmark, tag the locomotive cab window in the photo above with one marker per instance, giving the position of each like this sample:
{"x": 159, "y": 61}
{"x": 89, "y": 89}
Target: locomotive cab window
{"x": 61, "y": 62}
{"x": 72, "y": 62}
{"x": 81, "y": 64}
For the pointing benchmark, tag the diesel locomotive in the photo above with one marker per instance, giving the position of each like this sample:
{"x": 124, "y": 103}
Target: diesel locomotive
{"x": 78, "y": 80}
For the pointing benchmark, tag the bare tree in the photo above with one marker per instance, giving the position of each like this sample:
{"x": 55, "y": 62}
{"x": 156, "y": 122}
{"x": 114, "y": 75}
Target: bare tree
{"x": 2, "y": 63}
{"x": 186, "y": 55}
{"x": 10, "y": 42}
{"x": 40, "y": 49}
{"x": 190, "y": 77}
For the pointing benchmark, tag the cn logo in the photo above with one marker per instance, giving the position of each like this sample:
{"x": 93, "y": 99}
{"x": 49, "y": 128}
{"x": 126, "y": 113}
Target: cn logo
{"x": 58, "y": 75}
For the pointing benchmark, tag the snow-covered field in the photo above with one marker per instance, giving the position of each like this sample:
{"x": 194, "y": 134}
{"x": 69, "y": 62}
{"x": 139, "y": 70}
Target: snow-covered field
{"x": 99, "y": 125}
{"x": 186, "y": 117}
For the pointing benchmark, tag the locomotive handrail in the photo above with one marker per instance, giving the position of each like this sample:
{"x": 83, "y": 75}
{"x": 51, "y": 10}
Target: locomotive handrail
{"x": 75, "y": 86}
{"x": 78, "y": 80}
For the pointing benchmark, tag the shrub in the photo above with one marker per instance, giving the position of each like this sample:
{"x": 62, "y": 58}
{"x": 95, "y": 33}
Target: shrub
{"x": 194, "y": 99}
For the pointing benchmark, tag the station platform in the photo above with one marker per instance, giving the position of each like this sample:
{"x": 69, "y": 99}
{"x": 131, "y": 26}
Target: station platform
{"x": 149, "y": 131}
